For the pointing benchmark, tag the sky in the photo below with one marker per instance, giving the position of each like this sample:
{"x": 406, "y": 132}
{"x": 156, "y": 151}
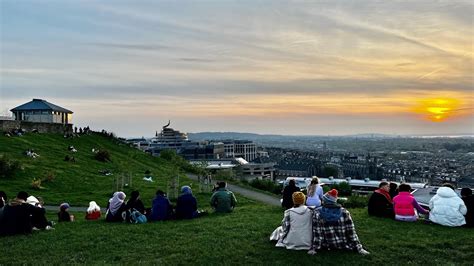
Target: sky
{"x": 269, "y": 67}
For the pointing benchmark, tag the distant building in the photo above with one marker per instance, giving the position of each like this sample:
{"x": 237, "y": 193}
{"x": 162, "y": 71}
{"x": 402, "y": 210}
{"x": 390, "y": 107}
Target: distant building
{"x": 41, "y": 111}
{"x": 240, "y": 148}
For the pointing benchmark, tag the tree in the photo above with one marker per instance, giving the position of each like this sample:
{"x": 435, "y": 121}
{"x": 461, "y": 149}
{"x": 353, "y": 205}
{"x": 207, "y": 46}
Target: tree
{"x": 330, "y": 171}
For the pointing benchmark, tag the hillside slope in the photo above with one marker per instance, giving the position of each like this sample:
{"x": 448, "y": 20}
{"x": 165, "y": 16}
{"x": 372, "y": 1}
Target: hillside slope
{"x": 81, "y": 181}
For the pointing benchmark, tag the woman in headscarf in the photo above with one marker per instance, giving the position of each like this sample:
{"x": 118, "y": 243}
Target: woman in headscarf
{"x": 186, "y": 205}
{"x": 116, "y": 207}
{"x": 315, "y": 193}
{"x": 135, "y": 202}
{"x": 93, "y": 212}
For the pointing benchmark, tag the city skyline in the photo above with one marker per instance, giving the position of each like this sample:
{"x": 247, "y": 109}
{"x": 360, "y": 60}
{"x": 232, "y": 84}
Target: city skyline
{"x": 267, "y": 67}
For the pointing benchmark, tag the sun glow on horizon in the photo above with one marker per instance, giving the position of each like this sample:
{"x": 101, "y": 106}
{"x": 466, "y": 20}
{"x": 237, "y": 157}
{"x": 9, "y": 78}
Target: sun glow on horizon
{"x": 438, "y": 109}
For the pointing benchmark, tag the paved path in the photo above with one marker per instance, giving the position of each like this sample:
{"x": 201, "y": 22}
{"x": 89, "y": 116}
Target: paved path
{"x": 270, "y": 200}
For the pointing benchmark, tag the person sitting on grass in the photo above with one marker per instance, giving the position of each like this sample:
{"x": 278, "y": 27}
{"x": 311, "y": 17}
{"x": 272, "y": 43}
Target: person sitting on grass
{"x": 333, "y": 227}
{"x": 116, "y": 207}
{"x": 93, "y": 211}
{"x": 63, "y": 214}
{"x": 296, "y": 229}
{"x": 135, "y": 202}
{"x": 161, "y": 208}
{"x": 468, "y": 198}
{"x": 315, "y": 193}
{"x": 223, "y": 200}
{"x": 393, "y": 190}
{"x": 38, "y": 219}
{"x": 186, "y": 205}
{"x": 404, "y": 205}
{"x": 16, "y": 218}
{"x": 380, "y": 202}
{"x": 288, "y": 194}
{"x": 447, "y": 208}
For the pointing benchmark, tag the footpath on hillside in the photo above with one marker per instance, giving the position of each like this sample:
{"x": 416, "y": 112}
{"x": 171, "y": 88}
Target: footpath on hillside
{"x": 254, "y": 195}
{"x": 270, "y": 200}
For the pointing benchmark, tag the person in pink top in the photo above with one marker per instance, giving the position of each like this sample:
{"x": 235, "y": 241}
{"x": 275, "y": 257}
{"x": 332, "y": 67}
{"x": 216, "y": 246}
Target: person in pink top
{"x": 404, "y": 205}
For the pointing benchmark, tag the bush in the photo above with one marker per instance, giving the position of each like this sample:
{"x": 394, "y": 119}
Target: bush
{"x": 343, "y": 188}
{"x": 356, "y": 201}
{"x": 8, "y": 168}
{"x": 103, "y": 156}
{"x": 266, "y": 185}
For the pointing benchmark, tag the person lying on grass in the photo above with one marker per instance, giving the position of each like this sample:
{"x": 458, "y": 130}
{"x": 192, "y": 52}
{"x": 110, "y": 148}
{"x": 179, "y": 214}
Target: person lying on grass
{"x": 295, "y": 230}
{"x": 333, "y": 227}
{"x": 404, "y": 205}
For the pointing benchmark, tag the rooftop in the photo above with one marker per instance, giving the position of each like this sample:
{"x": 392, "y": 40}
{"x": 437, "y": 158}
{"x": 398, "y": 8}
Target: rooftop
{"x": 40, "y": 105}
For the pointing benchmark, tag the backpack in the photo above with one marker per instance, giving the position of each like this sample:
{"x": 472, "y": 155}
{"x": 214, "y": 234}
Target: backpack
{"x": 135, "y": 217}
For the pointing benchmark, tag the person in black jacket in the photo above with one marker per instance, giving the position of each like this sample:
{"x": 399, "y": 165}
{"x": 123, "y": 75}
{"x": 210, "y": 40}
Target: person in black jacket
{"x": 380, "y": 203}
{"x": 186, "y": 205}
{"x": 288, "y": 191}
{"x": 135, "y": 202}
{"x": 468, "y": 198}
{"x": 16, "y": 217}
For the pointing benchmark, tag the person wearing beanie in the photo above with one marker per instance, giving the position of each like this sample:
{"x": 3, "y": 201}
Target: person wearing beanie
{"x": 380, "y": 202}
{"x": 333, "y": 227}
{"x": 468, "y": 198}
{"x": 63, "y": 214}
{"x": 16, "y": 217}
{"x": 295, "y": 230}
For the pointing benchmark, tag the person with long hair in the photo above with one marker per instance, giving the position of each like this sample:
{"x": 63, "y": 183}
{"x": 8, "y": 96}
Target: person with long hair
{"x": 116, "y": 207}
{"x": 135, "y": 202}
{"x": 315, "y": 193}
{"x": 93, "y": 211}
{"x": 404, "y": 205}
{"x": 288, "y": 191}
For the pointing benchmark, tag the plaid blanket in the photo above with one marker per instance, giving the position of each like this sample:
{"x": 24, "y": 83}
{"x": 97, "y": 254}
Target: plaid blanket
{"x": 335, "y": 235}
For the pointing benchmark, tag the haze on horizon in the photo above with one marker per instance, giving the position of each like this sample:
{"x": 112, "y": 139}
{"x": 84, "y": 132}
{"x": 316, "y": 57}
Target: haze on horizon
{"x": 271, "y": 67}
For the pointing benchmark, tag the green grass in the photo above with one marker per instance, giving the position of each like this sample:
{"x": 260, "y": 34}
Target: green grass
{"x": 80, "y": 182}
{"x": 237, "y": 238}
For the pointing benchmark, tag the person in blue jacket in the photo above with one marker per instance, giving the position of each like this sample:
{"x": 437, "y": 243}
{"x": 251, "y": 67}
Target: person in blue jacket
{"x": 161, "y": 208}
{"x": 186, "y": 206}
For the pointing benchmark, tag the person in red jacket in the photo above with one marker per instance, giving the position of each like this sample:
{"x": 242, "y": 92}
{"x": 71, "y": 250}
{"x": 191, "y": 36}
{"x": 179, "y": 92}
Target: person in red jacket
{"x": 93, "y": 212}
{"x": 404, "y": 205}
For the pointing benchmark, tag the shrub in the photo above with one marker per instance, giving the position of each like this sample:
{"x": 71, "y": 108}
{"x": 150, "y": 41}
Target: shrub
{"x": 8, "y": 168}
{"x": 355, "y": 201}
{"x": 103, "y": 156}
{"x": 36, "y": 184}
{"x": 266, "y": 185}
{"x": 343, "y": 188}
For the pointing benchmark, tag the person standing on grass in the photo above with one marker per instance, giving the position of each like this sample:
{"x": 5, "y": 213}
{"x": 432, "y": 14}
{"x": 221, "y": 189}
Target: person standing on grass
{"x": 288, "y": 194}
{"x": 295, "y": 231}
{"x": 333, "y": 227}
{"x": 116, "y": 207}
{"x": 380, "y": 202}
{"x": 16, "y": 218}
{"x": 447, "y": 208}
{"x": 161, "y": 208}
{"x": 93, "y": 211}
{"x": 63, "y": 214}
{"x": 223, "y": 200}
{"x": 186, "y": 205}
{"x": 405, "y": 204}
{"x": 315, "y": 193}
{"x": 468, "y": 198}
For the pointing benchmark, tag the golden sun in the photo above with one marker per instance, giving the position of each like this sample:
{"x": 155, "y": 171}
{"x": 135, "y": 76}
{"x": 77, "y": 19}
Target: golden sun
{"x": 437, "y": 109}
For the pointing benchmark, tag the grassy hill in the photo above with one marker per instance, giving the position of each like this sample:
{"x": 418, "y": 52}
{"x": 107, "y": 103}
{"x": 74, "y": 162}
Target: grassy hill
{"x": 80, "y": 182}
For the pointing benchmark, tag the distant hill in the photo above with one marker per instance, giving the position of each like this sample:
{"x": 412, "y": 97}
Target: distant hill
{"x": 80, "y": 182}
{"x": 229, "y": 135}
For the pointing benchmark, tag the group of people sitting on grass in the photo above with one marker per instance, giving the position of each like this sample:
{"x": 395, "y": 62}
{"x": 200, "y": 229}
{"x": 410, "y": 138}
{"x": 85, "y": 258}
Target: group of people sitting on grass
{"x": 327, "y": 226}
{"x": 445, "y": 207}
{"x": 26, "y": 213}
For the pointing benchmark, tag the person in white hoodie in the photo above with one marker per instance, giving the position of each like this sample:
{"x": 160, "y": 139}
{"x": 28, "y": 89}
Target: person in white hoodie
{"x": 295, "y": 231}
{"x": 447, "y": 208}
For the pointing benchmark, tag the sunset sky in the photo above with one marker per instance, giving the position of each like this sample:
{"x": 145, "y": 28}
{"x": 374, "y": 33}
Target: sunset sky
{"x": 272, "y": 67}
